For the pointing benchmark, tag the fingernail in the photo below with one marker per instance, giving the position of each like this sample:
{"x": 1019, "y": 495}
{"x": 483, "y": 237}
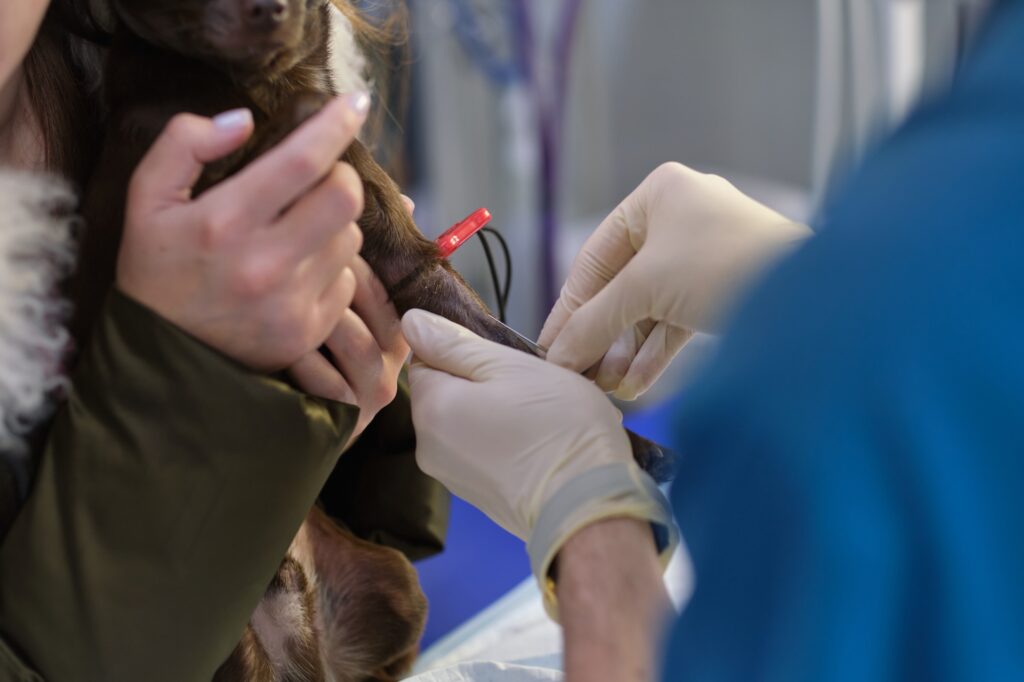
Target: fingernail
{"x": 359, "y": 103}
{"x": 627, "y": 391}
{"x": 236, "y": 119}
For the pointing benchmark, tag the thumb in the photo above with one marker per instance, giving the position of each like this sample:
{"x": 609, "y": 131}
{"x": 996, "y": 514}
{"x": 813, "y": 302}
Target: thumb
{"x": 451, "y": 348}
{"x": 596, "y": 325}
{"x": 606, "y": 252}
{"x": 175, "y": 161}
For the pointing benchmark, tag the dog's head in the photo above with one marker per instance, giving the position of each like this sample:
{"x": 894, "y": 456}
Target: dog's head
{"x": 268, "y": 37}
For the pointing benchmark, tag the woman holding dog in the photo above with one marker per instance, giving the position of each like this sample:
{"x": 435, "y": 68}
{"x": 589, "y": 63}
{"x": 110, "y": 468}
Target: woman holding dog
{"x": 853, "y": 459}
{"x": 852, "y": 474}
{"x": 134, "y": 545}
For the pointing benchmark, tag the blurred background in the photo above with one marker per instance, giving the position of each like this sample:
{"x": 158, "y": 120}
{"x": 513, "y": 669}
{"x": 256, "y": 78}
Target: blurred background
{"x": 549, "y": 112}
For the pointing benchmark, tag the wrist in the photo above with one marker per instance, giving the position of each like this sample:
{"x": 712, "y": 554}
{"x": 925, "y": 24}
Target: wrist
{"x": 618, "y": 490}
{"x": 613, "y": 602}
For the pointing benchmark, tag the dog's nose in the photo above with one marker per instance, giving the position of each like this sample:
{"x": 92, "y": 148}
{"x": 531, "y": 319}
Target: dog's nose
{"x": 265, "y": 14}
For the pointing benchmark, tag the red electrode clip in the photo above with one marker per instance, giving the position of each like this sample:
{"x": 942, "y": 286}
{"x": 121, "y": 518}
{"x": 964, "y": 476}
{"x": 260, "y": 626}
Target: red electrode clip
{"x": 450, "y": 241}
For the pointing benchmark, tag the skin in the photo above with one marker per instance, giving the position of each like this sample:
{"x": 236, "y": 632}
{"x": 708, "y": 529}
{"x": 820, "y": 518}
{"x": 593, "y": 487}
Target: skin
{"x": 19, "y": 135}
{"x": 613, "y": 603}
{"x": 266, "y": 264}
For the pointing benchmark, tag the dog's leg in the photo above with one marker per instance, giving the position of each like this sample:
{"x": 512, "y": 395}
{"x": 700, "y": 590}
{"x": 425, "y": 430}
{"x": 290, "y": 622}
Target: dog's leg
{"x": 416, "y": 276}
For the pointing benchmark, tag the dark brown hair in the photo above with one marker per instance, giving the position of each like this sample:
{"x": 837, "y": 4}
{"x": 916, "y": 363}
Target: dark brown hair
{"x": 61, "y": 74}
{"x": 63, "y": 79}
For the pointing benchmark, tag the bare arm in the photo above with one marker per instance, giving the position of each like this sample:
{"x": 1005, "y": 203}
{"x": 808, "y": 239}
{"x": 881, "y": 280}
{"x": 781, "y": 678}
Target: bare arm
{"x": 612, "y": 601}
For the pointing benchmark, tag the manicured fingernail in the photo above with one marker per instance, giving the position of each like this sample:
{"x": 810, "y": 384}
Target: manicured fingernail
{"x": 359, "y": 102}
{"x": 235, "y": 119}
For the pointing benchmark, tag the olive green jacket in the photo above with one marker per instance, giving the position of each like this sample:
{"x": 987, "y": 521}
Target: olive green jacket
{"x": 170, "y": 486}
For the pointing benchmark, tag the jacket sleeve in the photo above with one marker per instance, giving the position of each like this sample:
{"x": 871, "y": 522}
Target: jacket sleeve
{"x": 171, "y": 485}
{"x": 379, "y": 492}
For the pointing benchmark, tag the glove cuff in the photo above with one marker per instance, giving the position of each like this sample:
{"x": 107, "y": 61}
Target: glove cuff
{"x": 620, "y": 490}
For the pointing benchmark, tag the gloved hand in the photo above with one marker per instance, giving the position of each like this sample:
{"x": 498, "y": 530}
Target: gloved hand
{"x": 669, "y": 261}
{"x": 538, "y": 448}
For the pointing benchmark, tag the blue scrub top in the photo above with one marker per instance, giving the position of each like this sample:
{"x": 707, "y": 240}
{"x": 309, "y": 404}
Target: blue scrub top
{"x": 852, "y": 492}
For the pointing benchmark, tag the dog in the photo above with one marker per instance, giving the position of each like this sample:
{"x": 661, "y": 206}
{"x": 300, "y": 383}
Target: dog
{"x": 272, "y": 57}
{"x": 340, "y": 609}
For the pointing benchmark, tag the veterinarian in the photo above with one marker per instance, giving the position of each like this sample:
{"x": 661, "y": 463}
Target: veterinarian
{"x": 141, "y": 526}
{"x": 853, "y": 460}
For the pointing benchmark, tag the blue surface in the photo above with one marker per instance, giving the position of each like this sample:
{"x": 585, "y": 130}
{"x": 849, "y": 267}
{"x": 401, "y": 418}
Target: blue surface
{"x": 482, "y": 562}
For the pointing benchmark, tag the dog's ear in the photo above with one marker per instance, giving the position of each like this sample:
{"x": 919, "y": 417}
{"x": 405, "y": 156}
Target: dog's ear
{"x": 282, "y": 635}
{"x": 249, "y": 662}
{"x": 371, "y": 610}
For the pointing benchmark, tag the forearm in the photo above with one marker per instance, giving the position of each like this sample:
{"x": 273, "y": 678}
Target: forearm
{"x": 612, "y": 601}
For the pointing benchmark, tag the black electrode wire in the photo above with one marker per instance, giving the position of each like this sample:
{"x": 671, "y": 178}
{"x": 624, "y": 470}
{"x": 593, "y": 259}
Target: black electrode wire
{"x": 501, "y": 293}
{"x": 492, "y": 266}
{"x": 508, "y": 262}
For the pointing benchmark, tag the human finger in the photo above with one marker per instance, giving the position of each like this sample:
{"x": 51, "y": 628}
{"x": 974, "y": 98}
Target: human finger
{"x": 605, "y": 253}
{"x": 453, "y": 349}
{"x": 174, "y": 163}
{"x": 374, "y": 306}
{"x": 333, "y": 303}
{"x": 331, "y": 207}
{"x": 278, "y": 178}
{"x": 410, "y": 205}
{"x": 592, "y": 329}
{"x": 356, "y": 354}
{"x": 616, "y": 362}
{"x": 315, "y": 375}
{"x": 339, "y": 254}
{"x": 654, "y": 357}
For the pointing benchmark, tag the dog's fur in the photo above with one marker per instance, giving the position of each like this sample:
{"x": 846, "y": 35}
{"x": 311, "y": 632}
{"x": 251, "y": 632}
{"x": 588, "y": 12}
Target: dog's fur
{"x": 339, "y": 609}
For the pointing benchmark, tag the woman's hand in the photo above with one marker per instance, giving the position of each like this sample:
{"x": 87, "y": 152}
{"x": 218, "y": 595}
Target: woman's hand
{"x": 367, "y": 353}
{"x": 669, "y": 261}
{"x": 261, "y": 266}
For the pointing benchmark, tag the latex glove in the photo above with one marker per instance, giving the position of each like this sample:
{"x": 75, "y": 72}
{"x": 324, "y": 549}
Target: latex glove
{"x": 669, "y": 261}
{"x": 538, "y": 448}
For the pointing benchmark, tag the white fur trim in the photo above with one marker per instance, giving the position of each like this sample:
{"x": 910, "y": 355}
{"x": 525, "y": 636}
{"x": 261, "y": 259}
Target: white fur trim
{"x": 37, "y": 251}
{"x": 348, "y": 63}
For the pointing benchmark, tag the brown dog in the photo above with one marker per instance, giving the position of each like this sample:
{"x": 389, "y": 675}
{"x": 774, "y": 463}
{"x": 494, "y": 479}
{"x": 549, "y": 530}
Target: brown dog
{"x": 339, "y": 608}
{"x": 216, "y": 55}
